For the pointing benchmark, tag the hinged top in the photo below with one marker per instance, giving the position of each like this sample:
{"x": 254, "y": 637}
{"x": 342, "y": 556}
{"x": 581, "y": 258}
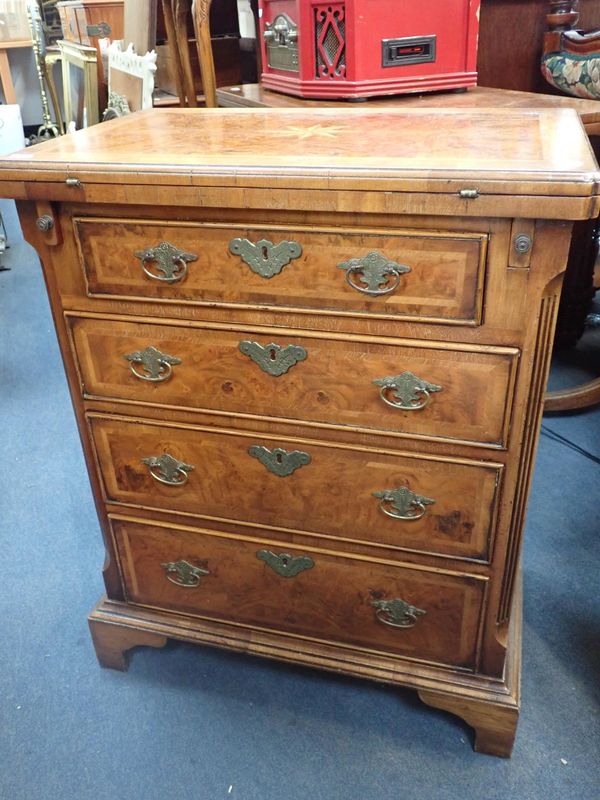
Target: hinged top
{"x": 494, "y": 151}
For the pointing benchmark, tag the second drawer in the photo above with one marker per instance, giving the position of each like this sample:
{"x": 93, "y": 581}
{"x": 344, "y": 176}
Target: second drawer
{"x": 430, "y": 389}
{"x": 398, "y": 500}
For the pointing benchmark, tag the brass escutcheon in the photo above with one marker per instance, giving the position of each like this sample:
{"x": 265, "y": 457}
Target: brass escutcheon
{"x": 273, "y": 358}
{"x": 279, "y": 461}
{"x": 284, "y": 564}
{"x": 264, "y": 257}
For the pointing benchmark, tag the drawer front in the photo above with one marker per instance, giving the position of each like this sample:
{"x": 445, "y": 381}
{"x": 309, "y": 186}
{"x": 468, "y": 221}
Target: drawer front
{"x": 457, "y": 393}
{"x": 414, "y": 274}
{"x": 69, "y": 22}
{"x": 433, "y": 505}
{"x": 82, "y": 23}
{"x": 254, "y": 582}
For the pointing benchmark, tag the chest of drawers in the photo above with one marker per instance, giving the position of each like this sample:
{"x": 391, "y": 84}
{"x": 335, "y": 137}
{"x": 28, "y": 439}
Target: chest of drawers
{"x": 307, "y": 358}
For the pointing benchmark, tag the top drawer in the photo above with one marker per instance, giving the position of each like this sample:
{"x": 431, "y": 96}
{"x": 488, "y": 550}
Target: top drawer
{"x": 415, "y": 274}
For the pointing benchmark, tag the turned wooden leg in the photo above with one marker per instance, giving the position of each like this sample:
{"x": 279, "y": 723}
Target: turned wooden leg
{"x": 495, "y": 725}
{"x": 201, "y": 14}
{"x": 113, "y": 641}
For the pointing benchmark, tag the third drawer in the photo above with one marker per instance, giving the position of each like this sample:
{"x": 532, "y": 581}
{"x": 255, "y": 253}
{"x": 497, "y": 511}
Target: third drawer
{"x": 371, "y": 497}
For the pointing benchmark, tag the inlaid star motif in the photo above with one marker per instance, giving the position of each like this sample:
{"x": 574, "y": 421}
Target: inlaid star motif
{"x": 323, "y": 131}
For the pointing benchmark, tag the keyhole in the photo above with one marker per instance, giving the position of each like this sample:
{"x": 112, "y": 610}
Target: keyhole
{"x": 279, "y": 458}
{"x": 265, "y": 253}
{"x": 284, "y": 561}
{"x": 272, "y": 354}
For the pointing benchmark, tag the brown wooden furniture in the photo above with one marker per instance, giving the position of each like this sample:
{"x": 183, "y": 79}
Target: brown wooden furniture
{"x": 84, "y": 24}
{"x": 6, "y": 81}
{"x": 83, "y": 58}
{"x": 185, "y": 68}
{"x": 511, "y": 36}
{"x": 578, "y": 290}
{"x": 201, "y": 13}
{"x": 511, "y": 42}
{"x": 307, "y": 360}
{"x": 570, "y": 63}
{"x": 175, "y": 14}
{"x": 139, "y": 24}
{"x": 252, "y": 95}
{"x": 86, "y": 21}
{"x": 226, "y": 58}
{"x": 564, "y": 34}
{"x": 583, "y": 396}
{"x": 511, "y": 39}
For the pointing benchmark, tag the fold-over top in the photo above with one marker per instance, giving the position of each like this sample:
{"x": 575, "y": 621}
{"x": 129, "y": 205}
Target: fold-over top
{"x": 537, "y": 153}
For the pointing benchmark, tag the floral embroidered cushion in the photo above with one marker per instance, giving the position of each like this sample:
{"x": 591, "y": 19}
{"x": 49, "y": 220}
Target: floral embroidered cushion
{"x": 575, "y": 75}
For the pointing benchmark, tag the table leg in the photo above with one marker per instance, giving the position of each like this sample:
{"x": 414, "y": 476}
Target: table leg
{"x": 6, "y": 78}
{"x": 578, "y": 287}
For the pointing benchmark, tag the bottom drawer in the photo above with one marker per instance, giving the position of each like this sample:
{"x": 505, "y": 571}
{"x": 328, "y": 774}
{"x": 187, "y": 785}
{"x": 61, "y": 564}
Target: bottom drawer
{"x": 348, "y": 599}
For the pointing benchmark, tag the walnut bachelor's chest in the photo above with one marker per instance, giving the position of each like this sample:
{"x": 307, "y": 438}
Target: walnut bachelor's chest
{"x": 307, "y": 353}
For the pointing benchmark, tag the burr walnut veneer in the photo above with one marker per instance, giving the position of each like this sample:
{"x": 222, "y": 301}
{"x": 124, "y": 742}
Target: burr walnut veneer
{"x": 307, "y": 352}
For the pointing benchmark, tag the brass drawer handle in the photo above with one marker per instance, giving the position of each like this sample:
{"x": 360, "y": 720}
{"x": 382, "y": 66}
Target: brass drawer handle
{"x": 273, "y": 358}
{"x": 185, "y": 574}
{"x": 397, "y": 613}
{"x": 376, "y": 273}
{"x": 284, "y": 564}
{"x": 167, "y": 469}
{"x": 157, "y": 366}
{"x": 406, "y": 391}
{"x": 100, "y": 29}
{"x": 167, "y": 259}
{"x": 401, "y": 503}
{"x": 279, "y": 461}
{"x": 264, "y": 257}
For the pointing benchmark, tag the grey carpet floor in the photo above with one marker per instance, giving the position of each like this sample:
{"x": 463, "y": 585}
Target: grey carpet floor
{"x": 189, "y": 722}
